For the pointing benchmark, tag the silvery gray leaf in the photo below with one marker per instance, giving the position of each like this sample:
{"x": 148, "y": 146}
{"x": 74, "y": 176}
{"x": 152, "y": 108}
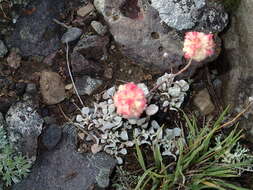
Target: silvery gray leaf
{"x": 124, "y": 135}
{"x": 155, "y": 124}
{"x": 108, "y": 151}
{"x": 110, "y": 101}
{"x": 85, "y": 110}
{"x": 132, "y": 121}
{"x": 152, "y": 109}
{"x": 129, "y": 143}
{"x": 79, "y": 118}
{"x": 169, "y": 133}
{"x": 145, "y": 142}
{"x": 144, "y": 88}
{"x": 111, "y": 91}
{"x": 111, "y": 108}
{"x": 184, "y": 85}
{"x": 118, "y": 119}
{"x": 123, "y": 151}
{"x": 105, "y": 110}
{"x": 119, "y": 160}
{"x": 159, "y": 134}
{"x": 137, "y": 132}
{"x": 145, "y": 125}
{"x": 166, "y": 103}
{"x": 89, "y": 138}
{"x": 72, "y": 34}
{"x": 107, "y": 126}
{"x": 174, "y": 91}
{"x": 105, "y": 96}
{"x": 141, "y": 121}
{"x": 177, "y": 132}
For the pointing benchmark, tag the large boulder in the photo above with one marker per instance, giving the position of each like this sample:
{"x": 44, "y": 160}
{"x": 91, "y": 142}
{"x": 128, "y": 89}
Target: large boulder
{"x": 238, "y": 79}
{"x": 137, "y": 29}
{"x": 66, "y": 169}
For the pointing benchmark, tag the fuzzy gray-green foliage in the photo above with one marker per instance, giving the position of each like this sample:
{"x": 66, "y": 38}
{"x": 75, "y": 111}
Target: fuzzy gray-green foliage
{"x": 13, "y": 166}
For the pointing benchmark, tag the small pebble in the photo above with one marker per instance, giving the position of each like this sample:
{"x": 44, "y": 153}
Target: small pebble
{"x": 99, "y": 28}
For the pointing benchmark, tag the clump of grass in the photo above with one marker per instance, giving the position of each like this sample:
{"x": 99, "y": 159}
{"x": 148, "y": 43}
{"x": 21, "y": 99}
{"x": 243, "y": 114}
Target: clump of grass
{"x": 13, "y": 166}
{"x": 203, "y": 162}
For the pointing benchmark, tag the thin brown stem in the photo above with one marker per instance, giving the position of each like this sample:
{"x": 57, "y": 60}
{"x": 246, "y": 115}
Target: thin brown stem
{"x": 170, "y": 77}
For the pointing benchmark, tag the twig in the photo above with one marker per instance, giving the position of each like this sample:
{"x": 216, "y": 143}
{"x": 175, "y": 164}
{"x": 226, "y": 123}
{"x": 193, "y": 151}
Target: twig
{"x": 61, "y": 23}
{"x": 70, "y": 74}
{"x": 236, "y": 117}
{"x": 170, "y": 77}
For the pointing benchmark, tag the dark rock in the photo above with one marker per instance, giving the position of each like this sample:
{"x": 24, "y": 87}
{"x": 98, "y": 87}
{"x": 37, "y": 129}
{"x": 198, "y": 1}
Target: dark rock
{"x": 20, "y": 88}
{"x": 72, "y": 34}
{"x": 86, "y": 85}
{"x": 24, "y": 127}
{"x": 36, "y": 33}
{"x": 64, "y": 168}
{"x": 51, "y": 136}
{"x": 140, "y": 36}
{"x": 82, "y": 66}
{"x": 3, "y": 49}
{"x": 238, "y": 57}
{"x": 14, "y": 59}
{"x": 5, "y": 103}
{"x": 31, "y": 88}
{"x": 52, "y": 87}
{"x": 92, "y": 46}
{"x": 136, "y": 27}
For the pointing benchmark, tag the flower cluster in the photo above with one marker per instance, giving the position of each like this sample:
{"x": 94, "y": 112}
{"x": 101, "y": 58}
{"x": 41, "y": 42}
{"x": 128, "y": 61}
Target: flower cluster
{"x": 130, "y": 100}
{"x": 198, "y": 45}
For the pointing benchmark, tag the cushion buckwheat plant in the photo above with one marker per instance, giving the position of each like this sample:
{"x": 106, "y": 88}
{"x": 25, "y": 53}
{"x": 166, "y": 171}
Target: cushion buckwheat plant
{"x": 130, "y": 100}
{"x": 198, "y": 45}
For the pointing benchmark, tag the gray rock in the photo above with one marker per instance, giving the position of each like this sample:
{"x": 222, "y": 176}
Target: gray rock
{"x": 99, "y": 28}
{"x": 137, "y": 29}
{"x": 92, "y": 46}
{"x": 36, "y": 33}
{"x": 3, "y": 49}
{"x": 209, "y": 16}
{"x": 238, "y": 57}
{"x": 86, "y": 85}
{"x": 203, "y": 101}
{"x": 85, "y": 10}
{"x": 82, "y": 66}
{"x": 52, "y": 87}
{"x": 51, "y": 136}
{"x": 31, "y": 88}
{"x": 72, "y": 34}
{"x": 24, "y": 127}
{"x": 64, "y": 168}
{"x": 14, "y": 59}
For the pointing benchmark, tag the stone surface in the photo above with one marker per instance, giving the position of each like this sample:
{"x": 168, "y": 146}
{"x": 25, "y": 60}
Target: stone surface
{"x": 99, "y": 28}
{"x": 36, "y": 33}
{"x": 85, "y": 10}
{"x": 72, "y": 33}
{"x": 64, "y": 168}
{"x": 52, "y": 87}
{"x": 14, "y": 59}
{"x": 3, "y": 49}
{"x": 82, "y": 66}
{"x": 24, "y": 127}
{"x": 31, "y": 88}
{"x": 51, "y": 136}
{"x": 203, "y": 101}
{"x": 86, "y": 85}
{"x": 238, "y": 57}
{"x": 92, "y": 46}
{"x": 204, "y": 15}
{"x": 137, "y": 29}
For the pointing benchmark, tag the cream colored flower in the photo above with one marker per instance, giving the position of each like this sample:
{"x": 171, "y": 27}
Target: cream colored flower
{"x": 130, "y": 100}
{"x": 198, "y": 45}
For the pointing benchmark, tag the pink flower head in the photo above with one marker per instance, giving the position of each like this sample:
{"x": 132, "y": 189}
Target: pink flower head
{"x": 198, "y": 45}
{"x": 130, "y": 100}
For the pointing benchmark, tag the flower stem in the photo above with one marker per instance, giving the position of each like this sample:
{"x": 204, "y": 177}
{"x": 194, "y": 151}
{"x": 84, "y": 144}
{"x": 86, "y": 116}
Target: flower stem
{"x": 170, "y": 77}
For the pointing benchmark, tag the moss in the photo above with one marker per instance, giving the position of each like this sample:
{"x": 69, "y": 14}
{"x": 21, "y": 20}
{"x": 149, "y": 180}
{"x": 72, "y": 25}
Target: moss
{"x": 231, "y": 5}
